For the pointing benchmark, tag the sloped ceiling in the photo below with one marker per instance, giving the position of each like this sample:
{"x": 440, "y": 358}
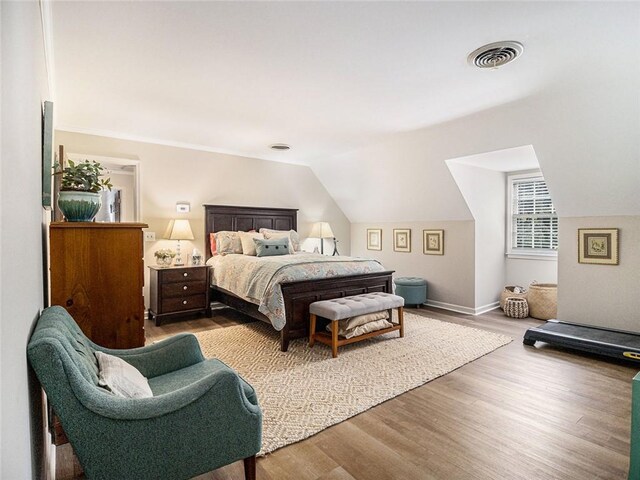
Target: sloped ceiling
{"x": 341, "y": 81}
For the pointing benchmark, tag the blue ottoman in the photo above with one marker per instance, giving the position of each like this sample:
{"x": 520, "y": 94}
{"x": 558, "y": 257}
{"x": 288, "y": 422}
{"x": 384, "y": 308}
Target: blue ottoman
{"x": 412, "y": 289}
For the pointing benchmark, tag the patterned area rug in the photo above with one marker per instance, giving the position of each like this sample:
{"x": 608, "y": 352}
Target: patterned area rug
{"x": 304, "y": 391}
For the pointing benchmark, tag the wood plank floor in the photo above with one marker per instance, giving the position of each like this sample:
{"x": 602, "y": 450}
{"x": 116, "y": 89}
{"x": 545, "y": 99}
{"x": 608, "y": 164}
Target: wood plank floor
{"x": 517, "y": 413}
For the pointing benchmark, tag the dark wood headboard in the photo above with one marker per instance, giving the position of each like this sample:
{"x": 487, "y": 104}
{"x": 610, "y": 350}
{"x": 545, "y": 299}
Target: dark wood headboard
{"x": 233, "y": 218}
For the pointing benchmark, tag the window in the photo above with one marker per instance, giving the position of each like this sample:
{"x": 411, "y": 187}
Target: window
{"x": 533, "y": 222}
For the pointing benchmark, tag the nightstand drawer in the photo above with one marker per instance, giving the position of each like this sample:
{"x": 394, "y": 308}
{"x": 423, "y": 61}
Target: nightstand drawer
{"x": 183, "y": 289}
{"x": 184, "y": 303}
{"x": 184, "y": 274}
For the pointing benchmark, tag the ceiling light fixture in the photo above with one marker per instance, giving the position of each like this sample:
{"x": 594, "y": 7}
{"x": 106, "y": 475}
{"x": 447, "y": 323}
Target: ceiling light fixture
{"x": 279, "y": 146}
{"x": 495, "y": 54}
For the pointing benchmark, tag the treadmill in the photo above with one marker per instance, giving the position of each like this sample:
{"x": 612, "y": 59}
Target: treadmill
{"x": 600, "y": 341}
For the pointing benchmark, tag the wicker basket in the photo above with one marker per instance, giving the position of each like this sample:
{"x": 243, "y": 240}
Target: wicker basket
{"x": 516, "y": 307}
{"x": 508, "y": 292}
{"x": 543, "y": 300}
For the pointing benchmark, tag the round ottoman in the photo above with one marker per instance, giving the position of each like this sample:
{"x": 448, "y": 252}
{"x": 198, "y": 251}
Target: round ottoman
{"x": 412, "y": 289}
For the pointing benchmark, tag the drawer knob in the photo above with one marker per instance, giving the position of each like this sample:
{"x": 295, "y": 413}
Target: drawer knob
{"x": 184, "y": 302}
{"x": 185, "y": 274}
{"x": 185, "y": 287}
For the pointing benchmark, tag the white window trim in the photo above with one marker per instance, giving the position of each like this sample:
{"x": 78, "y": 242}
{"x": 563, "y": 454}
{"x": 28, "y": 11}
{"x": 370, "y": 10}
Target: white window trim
{"x": 528, "y": 254}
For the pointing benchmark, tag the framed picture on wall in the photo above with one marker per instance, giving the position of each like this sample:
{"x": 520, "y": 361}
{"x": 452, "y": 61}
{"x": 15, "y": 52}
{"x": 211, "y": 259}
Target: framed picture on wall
{"x": 402, "y": 239}
{"x": 374, "y": 239}
{"x": 433, "y": 242}
{"x": 598, "y": 246}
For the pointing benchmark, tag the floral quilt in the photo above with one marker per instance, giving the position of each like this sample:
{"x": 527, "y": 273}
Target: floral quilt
{"x": 258, "y": 279}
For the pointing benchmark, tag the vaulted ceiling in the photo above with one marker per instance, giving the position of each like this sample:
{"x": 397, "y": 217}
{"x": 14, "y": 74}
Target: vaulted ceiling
{"x": 325, "y": 77}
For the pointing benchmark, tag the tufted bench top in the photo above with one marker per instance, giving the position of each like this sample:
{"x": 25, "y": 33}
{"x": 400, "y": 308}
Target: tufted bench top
{"x": 346, "y": 307}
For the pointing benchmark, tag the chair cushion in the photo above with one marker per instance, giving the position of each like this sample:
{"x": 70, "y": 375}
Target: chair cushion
{"x": 172, "y": 381}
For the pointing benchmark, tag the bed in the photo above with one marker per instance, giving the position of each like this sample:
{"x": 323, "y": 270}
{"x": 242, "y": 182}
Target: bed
{"x": 297, "y": 295}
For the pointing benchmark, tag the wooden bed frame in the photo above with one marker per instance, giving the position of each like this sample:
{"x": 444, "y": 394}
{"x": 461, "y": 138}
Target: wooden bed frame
{"x": 297, "y": 295}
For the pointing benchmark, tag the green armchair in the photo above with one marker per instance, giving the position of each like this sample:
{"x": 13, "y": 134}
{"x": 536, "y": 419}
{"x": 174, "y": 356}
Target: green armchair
{"x": 202, "y": 415}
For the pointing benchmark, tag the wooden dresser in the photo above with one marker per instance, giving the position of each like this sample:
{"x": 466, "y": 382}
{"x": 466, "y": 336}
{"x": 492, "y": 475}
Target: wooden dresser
{"x": 97, "y": 274}
{"x": 178, "y": 290}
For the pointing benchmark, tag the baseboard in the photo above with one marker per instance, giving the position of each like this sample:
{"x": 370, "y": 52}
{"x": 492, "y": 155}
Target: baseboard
{"x": 462, "y": 309}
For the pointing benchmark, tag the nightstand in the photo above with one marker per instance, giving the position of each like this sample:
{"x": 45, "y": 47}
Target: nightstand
{"x": 178, "y": 290}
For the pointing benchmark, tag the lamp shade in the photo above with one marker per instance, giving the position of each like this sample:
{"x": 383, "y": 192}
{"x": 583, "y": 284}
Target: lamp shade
{"x": 179, "y": 229}
{"x": 321, "y": 230}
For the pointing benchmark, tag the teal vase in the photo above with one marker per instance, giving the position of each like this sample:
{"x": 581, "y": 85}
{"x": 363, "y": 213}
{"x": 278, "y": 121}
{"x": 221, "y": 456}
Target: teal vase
{"x": 79, "y": 206}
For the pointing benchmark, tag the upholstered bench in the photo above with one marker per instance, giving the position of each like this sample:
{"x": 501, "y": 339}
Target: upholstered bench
{"x": 347, "y": 307}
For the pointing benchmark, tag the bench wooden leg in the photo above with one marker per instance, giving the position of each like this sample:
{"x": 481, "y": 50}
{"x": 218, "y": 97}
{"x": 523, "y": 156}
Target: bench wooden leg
{"x": 334, "y": 338}
{"x": 401, "y": 320}
{"x": 312, "y": 329}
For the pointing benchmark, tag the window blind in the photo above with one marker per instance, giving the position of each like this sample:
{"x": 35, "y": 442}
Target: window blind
{"x": 534, "y": 219}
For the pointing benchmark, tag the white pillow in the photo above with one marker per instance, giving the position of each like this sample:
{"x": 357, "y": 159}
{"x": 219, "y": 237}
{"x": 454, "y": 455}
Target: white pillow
{"x": 248, "y": 245}
{"x": 122, "y": 378}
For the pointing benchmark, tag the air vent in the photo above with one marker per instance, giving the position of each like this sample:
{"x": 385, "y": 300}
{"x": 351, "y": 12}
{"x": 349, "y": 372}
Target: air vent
{"x": 495, "y": 55}
{"x": 279, "y": 146}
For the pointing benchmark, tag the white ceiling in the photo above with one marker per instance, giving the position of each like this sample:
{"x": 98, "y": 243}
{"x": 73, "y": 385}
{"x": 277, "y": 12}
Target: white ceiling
{"x": 325, "y": 77}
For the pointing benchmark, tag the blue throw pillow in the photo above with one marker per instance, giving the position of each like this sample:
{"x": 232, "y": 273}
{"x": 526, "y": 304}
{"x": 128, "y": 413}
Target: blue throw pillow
{"x": 269, "y": 248}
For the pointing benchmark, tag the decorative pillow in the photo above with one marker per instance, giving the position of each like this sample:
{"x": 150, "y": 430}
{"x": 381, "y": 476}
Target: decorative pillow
{"x": 228, "y": 242}
{"x": 248, "y": 246}
{"x": 269, "y": 248}
{"x": 292, "y": 235}
{"x": 212, "y": 243}
{"x": 122, "y": 378}
{"x": 366, "y": 328}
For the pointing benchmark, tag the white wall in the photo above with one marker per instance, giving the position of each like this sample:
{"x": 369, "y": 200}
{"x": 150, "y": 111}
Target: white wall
{"x": 450, "y": 276}
{"x": 584, "y": 132}
{"x": 21, "y": 272}
{"x": 523, "y": 272}
{"x": 170, "y": 174}
{"x": 600, "y": 294}
{"x": 484, "y": 191}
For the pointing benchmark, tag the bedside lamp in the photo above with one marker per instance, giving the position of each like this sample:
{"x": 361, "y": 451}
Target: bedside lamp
{"x": 179, "y": 229}
{"x": 321, "y": 230}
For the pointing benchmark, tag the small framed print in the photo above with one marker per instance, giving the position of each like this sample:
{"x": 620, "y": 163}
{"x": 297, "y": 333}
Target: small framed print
{"x": 433, "y": 242}
{"x": 401, "y": 239}
{"x": 598, "y": 246}
{"x": 374, "y": 239}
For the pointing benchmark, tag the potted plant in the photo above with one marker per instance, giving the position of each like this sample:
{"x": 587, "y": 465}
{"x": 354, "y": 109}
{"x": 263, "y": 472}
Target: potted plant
{"x": 79, "y": 197}
{"x": 164, "y": 257}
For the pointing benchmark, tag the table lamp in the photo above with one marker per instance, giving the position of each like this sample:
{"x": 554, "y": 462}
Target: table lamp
{"x": 322, "y": 230}
{"x": 179, "y": 229}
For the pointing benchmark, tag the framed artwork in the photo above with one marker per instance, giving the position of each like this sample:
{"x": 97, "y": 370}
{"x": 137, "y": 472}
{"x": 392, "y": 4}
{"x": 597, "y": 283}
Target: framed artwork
{"x": 402, "y": 239}
{"x": 598, "y": 246}
{"x": 374, "y": 239}
{"x": 47, "y": 153}
{"x": 433, "y": 242}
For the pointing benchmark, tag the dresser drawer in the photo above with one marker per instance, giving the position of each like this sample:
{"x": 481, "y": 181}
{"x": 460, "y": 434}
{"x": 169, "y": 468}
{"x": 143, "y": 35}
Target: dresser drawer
{"x": 184, "y": 274}
{"x": 184, "y": 303}
{"x": 183, "y": 289}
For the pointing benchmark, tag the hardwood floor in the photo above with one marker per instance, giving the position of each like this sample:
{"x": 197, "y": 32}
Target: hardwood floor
{"x": 516, "y": 413}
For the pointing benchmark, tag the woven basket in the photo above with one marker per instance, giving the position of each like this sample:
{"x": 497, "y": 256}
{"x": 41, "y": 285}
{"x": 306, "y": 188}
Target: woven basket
{"x": 508, "y": 292}
{"x": 516, "y": 307}
{"x": 543, "y": 300}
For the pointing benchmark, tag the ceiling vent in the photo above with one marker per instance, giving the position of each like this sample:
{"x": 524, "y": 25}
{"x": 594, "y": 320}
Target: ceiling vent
{"x": 279, "y": 146}
{"x": 495, "y": 55}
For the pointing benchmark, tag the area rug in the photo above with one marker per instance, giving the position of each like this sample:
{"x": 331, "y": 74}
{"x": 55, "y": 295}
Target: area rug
{"x": 304, "y": 391}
